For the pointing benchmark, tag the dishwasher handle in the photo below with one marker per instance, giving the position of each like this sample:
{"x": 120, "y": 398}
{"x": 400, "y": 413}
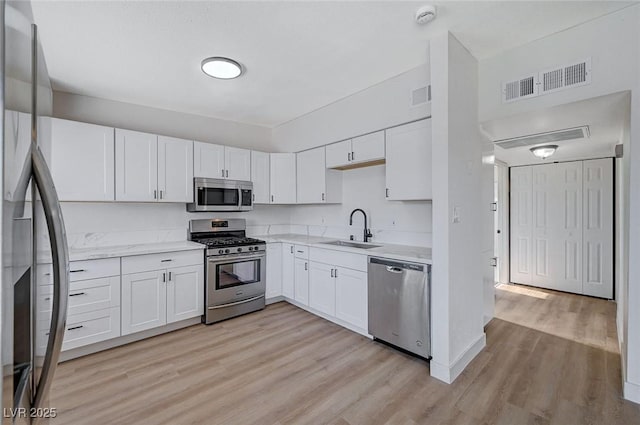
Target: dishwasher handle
{"x": 396, "y": 266}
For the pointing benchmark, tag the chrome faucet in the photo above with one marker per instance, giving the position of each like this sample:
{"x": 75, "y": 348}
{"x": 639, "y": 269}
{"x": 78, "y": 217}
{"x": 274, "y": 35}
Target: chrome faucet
{"x": 367, "y": 232}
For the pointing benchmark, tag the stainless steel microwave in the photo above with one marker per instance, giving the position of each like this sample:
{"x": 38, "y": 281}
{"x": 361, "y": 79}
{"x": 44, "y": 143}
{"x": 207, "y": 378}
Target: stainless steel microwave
{"x": 221, "y": 195}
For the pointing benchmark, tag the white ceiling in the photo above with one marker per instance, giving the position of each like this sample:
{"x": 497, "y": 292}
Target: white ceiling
{"x": 606, "y": 117}
{"x": 299, "y": 56}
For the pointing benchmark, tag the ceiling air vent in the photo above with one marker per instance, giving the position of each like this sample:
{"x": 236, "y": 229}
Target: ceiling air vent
{"x": 420, "y": 96}
{"x": 519, "y": 89}
{"x": 564, "y": 77}
{"x": 544, "y": 138}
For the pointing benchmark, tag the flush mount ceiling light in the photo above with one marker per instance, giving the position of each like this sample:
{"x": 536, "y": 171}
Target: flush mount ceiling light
{"x": 425, "y": 14}
{"x": 545, "y": 151}
{"x": 222, "y": 68}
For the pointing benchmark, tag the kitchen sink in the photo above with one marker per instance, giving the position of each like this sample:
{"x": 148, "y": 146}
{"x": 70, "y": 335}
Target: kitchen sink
{"x": 352, "y": 244}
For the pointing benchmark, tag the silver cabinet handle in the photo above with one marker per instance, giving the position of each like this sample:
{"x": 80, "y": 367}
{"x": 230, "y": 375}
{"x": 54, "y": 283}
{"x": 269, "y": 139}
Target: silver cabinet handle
{"x": 323, "y": 196}
{"x": 79, "y": 293}
{"x": 78, "y": 271}
{"x": 349, "y": 156}
{"x": 164, "y": 277}
{"x": 331, "y": 272}
{"x": 166, "y": 260}
{"x": 73, "y": 328}
{"x": 223, "y": 172}
{"x": 227, "y": 173}
{"x": 271, "y": 198}
{"x": 353, "y": 156}
{"x": 292, "y": 249}
{"x": 155, "y": 194}
{"x": 169, "y": 276}
{"x": 253, "y": 197}
{"x": 161, "y": 194}
{"x": 306, "y": 265}
{"x": 335, "y": 272}
{"x": 386, "y": 193}
{"x": 60, "y": 256}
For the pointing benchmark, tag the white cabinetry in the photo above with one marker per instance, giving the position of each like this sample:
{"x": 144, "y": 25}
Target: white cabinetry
{"x": 301, "y": 281}
{"x": 274, "y": 270}
{"x": 154, "y": 294}
{"x": 151, "y": 168}
{"x": 315, "y": 183}
{"x": 221, "y": 162}
{"x": 368, "y": 148}
{"x": 288, "y": 276}
{"x": 408, "y": 159}
{"x": 260, "y": 177}
{"x": 283, "y": 178}
{"x": 175, "y": 169}
{"x": 82, "y": 161}
{"x": 351, "y": 296}
{"x": 322, "y": 288}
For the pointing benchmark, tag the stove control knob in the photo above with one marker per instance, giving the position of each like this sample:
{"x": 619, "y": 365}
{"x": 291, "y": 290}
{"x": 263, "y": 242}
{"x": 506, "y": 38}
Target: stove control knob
{"x": 250, "y": 248}
{"x": 220, "y": 251}
{"x": 239, "y": 249}
{"x": 255, "y": 248}
{"x": 226, "y": 251}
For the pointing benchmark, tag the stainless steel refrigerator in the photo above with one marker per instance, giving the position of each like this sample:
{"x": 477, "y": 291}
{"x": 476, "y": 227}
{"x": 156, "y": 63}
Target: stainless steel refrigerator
{"x": 32, "y": 231}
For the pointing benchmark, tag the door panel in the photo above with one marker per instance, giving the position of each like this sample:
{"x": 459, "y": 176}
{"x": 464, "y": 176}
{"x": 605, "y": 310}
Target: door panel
{"x": 521, "y": 224}
{"x": 260, "y": 177}
{"x": 338, "y": 154}
{"x": 351, "y": 297}
{"x": 136, "y": 166}
{"x": 301, "y": 280}
{"x": 311, "y": 176}
{"x": 322, "y": 288}
{"x": 144, "y": 301}
{"x": 598, "y": 228}
{"x": 208, "y": 160}
{"x": 288, "y": 276}
{"x": 237, "y": 163}
{"x": 175, "y": 170}
{"x": 185, "y": 293}
{"x": 543, "y": 196}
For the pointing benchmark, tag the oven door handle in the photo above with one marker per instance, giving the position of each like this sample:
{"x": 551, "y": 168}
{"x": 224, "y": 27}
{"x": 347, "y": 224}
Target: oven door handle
{"x": 248, "y": 300}
{"x": 224, "y": 259}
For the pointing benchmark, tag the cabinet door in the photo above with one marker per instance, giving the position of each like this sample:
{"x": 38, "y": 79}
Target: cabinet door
{"x": 185, "y": 293}
{"x": 136, "y": 166}
{"x": 260, "y": 177}
{"x": 82, "y": 161}
{"x": 311, "y": 176}
{"x": 338, "y": 154}
{"x": 274, "y": 270}
{"x": 367, "y": 148}
{"x": 351, "y": 297}
{"x": 288, "y": 276}
{"x": 208, "y": 160}
{"x": 408, "y": 159}
{"x": 144, "y": 301}
{"x": 283, "y": 178}
{"x": 237, "y": 163}
{"x": 175, "y": 170}
{"x": 322, "y": 288}
{"x": 301, "y": 279}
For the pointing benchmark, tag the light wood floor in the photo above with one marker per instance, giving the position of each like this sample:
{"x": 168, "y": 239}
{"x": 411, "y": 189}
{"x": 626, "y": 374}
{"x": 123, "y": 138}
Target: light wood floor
{"x": 551, "y": 358}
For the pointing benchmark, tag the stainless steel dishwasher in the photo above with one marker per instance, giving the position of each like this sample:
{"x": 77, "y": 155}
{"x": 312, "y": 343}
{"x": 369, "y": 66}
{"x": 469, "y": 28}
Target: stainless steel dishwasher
{"x": 400, "y": 304}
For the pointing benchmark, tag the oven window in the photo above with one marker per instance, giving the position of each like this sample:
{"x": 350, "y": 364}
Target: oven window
{"x": 217, "y": 196}
{"x": 237, "y": 273}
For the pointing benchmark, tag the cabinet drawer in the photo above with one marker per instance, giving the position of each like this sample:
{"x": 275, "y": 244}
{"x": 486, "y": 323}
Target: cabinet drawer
{"x": 339, "y": 258}
{"x": 84, "y": 296}
{"x": 81, "y": 270}
{"x": 83, "y": 329}
{"x": 301, "y": 251}
{"x": 149, "y": 262}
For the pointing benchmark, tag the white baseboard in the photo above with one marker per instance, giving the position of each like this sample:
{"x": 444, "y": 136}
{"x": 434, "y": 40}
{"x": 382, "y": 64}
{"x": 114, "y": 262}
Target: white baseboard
{"x": 274, "y": 300}
{"x": 631, "y": 391}
{"x": 448, "y": 374}
{"x": 487, "y": 319}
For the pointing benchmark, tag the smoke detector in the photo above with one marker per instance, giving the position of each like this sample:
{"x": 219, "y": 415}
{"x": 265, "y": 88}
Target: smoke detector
{"x": 425, "y": 14}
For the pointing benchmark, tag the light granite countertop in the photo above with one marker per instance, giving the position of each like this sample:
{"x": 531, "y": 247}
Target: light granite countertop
{"x": 124, "y": 250}
{"x": 396, "y": 252}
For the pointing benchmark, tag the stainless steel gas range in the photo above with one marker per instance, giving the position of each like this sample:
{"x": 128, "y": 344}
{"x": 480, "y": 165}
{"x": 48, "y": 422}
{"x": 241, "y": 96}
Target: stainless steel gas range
{"x": 235, "y": 270}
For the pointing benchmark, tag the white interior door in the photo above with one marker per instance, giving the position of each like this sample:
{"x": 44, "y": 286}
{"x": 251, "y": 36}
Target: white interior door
{"x": 598, "y": 228}
{"x": 521, "y": 224}
{"x": 542, "y": 196}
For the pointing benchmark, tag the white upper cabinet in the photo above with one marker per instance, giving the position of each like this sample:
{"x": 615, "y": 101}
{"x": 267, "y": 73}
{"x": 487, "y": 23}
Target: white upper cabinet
{"x": 338, "y": 154}
{"x": 283, "y": 178}
{"x": 175, "y": 170}
{"x": 260, "y": 177}
{"x": 368, "y": 148}
{"x": 357, "y": 151}
{"x": 82, "y": 161}
{"x": 408, "y": 159}
{"x": 221, "y": 162}
{"x": 315, "y": 183}
{"x": 237, "y": 163}
{"x": 136, "y": 166}
{"x": 208, "y": 160}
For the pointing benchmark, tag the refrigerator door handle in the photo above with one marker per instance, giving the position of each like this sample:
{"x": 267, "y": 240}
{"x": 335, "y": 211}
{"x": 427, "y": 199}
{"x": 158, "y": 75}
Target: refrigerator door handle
{"x": 60, "y": 257}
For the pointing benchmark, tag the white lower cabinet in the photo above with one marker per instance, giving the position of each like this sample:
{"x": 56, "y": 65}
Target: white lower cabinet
{"x": 154, "y": 298}
{"x": 288, "y": 275}
{"x": 351, "y": 297}
{"x": 301, "y": 281}
{"x": 274, "y": 270}
{"x": 322, "y": 288}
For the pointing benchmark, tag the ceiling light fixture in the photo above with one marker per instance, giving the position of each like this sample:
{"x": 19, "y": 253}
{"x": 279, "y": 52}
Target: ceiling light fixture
{"x": 545, "y": 151}
{"x": 425, "y": 14}
{"x": 222, "y": 68}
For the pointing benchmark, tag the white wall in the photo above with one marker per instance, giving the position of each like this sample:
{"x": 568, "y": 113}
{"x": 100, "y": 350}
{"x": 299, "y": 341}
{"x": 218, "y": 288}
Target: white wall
{"x": 381, "y": 106}
{"x": 613, "y": 43}
{"x": 457, "y": 285}
{"x": 168, "y": 123}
